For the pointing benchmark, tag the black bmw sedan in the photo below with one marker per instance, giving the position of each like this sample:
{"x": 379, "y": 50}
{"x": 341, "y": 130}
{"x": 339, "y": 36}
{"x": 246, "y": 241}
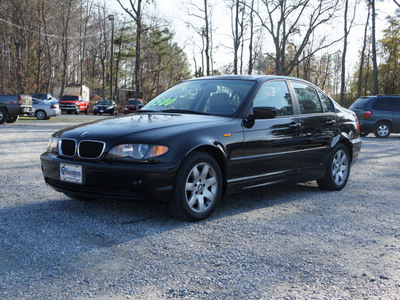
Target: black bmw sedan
{"x": 204, "y": 137}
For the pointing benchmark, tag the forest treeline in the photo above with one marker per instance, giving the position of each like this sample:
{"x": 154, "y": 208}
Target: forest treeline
{"x": 47, "y": 43}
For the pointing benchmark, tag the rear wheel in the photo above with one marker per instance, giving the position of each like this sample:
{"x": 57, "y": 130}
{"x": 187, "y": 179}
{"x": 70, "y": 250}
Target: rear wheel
{"x": 40, "y": 115}
{"x": 382, "y": 130}
{"x": 12, "y": 119}
{"x": 3, "y": 115}
{"x": 197, "y": 187}
{"x": 338, "y": 170}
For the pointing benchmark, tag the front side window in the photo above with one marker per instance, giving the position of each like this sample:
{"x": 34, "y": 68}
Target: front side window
{"x": 308, "y": 98}
{"x": 275, "y": 94}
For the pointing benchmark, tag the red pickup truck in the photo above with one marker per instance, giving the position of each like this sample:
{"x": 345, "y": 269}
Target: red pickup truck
{"x": 74, "y": 103}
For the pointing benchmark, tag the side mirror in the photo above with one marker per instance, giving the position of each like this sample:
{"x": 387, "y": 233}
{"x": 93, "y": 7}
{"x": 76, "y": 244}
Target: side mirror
{"x": 264, "y": 112}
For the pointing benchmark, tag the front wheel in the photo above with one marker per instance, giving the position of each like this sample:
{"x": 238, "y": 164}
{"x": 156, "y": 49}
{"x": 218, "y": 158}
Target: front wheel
{"x": 12, "y": 119}
{"x": 382, "y": 130}
{"x": 338, "y": 170}
{"x": 197, "y": 187}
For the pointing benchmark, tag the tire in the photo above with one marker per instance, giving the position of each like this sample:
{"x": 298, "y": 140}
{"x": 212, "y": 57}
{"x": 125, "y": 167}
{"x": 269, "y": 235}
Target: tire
{"x": 40, "y": 115}
{"x": 79, "y": 198}
{"x": 338, "y": 170}
{"x": 382, "y": 130}
{"x": 12, "y": 119}
{"x": 3, "y": 115}
{"x": 197, "y": 188}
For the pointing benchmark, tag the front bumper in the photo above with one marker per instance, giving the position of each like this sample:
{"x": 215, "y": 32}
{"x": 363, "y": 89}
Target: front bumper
{"x": 112, "y": 180}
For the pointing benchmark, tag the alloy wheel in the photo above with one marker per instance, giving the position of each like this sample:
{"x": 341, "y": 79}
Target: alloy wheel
{"x": 340, "y": 167}
{"x": 201, "y": 187}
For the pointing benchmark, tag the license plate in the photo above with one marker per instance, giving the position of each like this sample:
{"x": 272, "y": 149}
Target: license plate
{"x": 71, "y": 173}
{"x": 101, "y": 110}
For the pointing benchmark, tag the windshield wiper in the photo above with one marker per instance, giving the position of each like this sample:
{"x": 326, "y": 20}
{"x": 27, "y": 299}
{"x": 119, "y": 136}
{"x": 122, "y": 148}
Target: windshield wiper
{"x": 184, "y": 111}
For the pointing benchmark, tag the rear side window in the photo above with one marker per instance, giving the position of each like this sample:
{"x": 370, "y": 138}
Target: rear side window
{"x": 308, "y": 98}
{"x": 382, "y": 104}
{"x": 396, "y": 104}
{"x": 326, "y": 103}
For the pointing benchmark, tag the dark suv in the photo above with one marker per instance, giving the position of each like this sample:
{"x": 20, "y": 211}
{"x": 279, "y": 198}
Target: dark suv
{"x": 378, "y": 114}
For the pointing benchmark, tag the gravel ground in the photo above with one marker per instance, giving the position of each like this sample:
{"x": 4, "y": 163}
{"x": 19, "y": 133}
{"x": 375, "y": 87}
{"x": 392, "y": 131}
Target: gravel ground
{"x": 292, "y": 242}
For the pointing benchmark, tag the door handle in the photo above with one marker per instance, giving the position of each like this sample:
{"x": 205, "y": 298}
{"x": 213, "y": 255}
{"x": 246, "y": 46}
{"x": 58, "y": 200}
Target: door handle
{"x": 294, "y": 125}
{"x": 331, "y": 122}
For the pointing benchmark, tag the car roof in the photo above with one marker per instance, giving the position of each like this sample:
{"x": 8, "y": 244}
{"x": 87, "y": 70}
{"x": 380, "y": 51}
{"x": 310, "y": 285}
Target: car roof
{"x": 258, "y": 78}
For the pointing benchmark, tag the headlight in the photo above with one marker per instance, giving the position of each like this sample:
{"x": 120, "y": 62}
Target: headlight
{"x": 137, "y": 151}
{"x": 52, "y": 147}
{"x": 110, "y": 107}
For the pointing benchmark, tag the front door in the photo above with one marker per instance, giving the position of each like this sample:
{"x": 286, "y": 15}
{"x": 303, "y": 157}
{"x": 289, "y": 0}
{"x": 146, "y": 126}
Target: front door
{"x": 271, "y": 145}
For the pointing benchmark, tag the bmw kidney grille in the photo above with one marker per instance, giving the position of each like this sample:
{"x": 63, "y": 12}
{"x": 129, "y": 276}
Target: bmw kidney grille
{"x": 85, "y": 149}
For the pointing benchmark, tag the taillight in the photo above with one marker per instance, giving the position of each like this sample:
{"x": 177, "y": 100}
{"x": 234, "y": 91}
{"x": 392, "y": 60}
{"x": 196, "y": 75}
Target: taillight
{"x": 53, "y": 106}
{"x": 367, "y": 114}
{"x": 19, "y": 100}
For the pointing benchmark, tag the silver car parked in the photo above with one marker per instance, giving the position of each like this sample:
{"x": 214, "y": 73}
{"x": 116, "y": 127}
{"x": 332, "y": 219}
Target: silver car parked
{"x": 45, "y": 110}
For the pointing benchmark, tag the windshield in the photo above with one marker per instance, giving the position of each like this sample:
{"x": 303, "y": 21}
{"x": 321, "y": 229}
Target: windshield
{"x": 213, "y": 96}
{"x": 70, "y": 98}
{"x": 104, "y": 102}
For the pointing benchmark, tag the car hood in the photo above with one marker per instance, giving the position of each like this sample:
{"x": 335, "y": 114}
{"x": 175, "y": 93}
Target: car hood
{"x": 102, "y": 106}
{"x": 142, "y": 127}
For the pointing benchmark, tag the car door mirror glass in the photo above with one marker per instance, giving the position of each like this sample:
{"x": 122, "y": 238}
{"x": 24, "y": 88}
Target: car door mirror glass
{"x": 264, "y": 112}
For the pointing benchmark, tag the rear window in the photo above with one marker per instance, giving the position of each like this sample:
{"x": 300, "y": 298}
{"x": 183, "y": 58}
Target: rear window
{"x": 70, "y": 98}
{"x": 383, "y": 104}
{"x": 131, "y": 102}
{"x": 360, "y": 102}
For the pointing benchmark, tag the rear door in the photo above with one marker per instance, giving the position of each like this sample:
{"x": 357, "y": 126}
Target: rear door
{"x": 318, "y": 124}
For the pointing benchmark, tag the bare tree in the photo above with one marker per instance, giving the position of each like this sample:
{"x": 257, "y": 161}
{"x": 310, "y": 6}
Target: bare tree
{"x": 287, "y": 21}
{"x": 347, "y": 27}
{"x": 136, "y": 15}
{"x": 360, "y": 75}
{"x": 374, "y": 59}
{"x": 251, "y": 59}
{"x": 204, "y": 13}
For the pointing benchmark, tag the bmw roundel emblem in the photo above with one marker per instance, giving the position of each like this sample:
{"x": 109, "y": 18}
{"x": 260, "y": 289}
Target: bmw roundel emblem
{"x": 84, "y": 133}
